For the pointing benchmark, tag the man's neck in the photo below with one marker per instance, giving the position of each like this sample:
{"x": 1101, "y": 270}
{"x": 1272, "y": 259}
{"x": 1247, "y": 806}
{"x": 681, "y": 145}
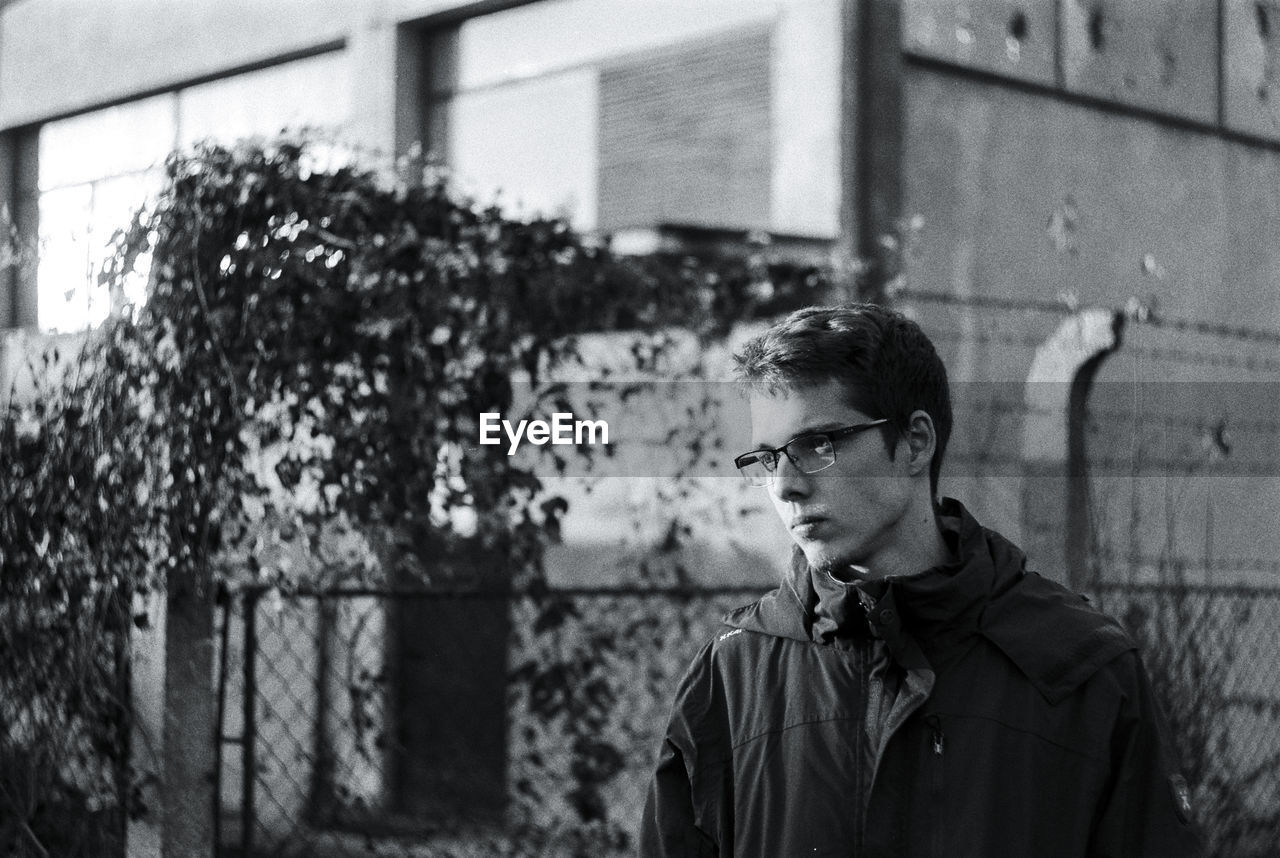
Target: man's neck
{"x": 925, "y": 549}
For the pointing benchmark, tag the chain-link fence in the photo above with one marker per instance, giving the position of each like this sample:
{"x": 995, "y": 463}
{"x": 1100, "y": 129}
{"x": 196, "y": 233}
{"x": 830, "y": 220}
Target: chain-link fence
{"x": 548, "y": 738}
{"x": 406, "y": 724}
{"x": 64, "y": 722}
{"x": 448, "y": 724}
{"x": 1211, "y": 653}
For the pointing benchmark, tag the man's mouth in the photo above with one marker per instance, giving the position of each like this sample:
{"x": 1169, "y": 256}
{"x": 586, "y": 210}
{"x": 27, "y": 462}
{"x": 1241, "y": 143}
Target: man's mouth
{"x": 805, "y": 525}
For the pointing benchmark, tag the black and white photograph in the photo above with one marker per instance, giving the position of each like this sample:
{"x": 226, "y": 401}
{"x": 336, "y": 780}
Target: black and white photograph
{"x": 640, "y": 428}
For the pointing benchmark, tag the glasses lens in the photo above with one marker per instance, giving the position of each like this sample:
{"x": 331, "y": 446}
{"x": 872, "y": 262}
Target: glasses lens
{"x": 812, "y": 453}
{"x": 753, "y": 468}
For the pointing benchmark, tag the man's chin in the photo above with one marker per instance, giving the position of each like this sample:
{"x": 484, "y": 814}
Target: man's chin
{"x": 828, "y": 561}
{"x": 840, "y": 567}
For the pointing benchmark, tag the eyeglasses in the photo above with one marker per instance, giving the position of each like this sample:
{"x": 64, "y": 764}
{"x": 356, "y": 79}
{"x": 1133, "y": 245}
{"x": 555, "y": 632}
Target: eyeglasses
{"x": 809, "y": 453}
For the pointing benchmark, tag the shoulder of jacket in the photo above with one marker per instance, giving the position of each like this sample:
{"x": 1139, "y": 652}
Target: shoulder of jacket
{"x": 1054, "y": 636}
{"x": 699, "y": 685}
{"x": 721, "y": 643}
{"x": 725, "y": 633}
{"x": 735, "y": 617}
{"x": 732, "y": 642}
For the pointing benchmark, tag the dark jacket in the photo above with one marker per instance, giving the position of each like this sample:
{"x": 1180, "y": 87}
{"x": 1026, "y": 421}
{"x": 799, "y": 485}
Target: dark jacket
{"x": 975, "y": 709}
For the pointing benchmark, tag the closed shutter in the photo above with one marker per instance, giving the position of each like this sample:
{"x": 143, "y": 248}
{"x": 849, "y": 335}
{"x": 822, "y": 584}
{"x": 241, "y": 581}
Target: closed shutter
{"x": 685, "y": 135}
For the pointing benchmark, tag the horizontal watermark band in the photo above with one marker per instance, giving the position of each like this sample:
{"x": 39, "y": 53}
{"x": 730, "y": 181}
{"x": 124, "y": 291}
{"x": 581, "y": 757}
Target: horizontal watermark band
{"x": 665, "y": 429}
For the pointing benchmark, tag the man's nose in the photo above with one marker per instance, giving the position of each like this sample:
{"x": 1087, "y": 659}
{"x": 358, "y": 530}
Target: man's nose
{"x": 789, "y": 482}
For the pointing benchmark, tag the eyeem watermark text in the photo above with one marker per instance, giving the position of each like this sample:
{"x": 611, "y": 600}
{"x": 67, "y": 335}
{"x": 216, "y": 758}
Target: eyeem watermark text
{"x": 563, "y": 429}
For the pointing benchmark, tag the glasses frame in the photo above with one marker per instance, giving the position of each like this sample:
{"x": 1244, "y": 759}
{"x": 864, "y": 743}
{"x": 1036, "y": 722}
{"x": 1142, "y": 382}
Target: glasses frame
{"x": 777, "y": 452}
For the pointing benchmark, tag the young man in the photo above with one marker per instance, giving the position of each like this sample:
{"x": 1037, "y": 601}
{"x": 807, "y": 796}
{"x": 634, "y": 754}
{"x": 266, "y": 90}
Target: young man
{"x": 910, "y": 689}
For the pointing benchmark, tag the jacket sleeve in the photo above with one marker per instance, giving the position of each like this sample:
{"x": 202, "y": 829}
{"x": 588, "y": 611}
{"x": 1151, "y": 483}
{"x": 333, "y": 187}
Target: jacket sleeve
{"x": 1147, "y": 812}
{"x": 669, "y": 827}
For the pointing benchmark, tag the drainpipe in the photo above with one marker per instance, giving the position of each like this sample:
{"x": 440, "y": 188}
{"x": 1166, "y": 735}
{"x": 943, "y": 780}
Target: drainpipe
{"x": 1056, "y": 489}
{"x": 871, "y": 134}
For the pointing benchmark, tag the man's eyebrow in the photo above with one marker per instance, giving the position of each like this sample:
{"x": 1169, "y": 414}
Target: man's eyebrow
{"x": 813, "y": 429}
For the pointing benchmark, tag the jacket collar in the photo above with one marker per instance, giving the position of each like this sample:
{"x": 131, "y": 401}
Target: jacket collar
{"x": 1052, "y": 635}
{"x": 814, "y": 606}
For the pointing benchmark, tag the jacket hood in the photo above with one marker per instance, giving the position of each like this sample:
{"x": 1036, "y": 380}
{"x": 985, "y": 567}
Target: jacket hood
{"x": 1052, "y": 635}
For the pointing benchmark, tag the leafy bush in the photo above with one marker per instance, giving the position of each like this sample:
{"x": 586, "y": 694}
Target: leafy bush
{"x": 78, "y": 536}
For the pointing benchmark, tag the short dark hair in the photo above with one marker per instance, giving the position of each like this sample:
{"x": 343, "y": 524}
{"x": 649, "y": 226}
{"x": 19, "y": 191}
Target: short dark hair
{"x": 885, "y": 362}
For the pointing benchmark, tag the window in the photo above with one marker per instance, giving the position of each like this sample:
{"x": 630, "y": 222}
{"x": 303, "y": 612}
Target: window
{"x": 97, "y": 168}
{"x": 94, "y": 169}
{"x": 639, "y": 113}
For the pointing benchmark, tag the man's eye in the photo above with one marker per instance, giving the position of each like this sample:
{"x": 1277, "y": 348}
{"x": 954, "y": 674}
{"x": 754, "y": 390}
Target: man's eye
{"x": 810, "y": 443}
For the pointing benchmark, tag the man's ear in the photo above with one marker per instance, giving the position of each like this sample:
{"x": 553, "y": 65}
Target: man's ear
{"x": 922, "y": 442}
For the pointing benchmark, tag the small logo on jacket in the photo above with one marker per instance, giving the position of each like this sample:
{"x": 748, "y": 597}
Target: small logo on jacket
{"x": 729, "y": 635}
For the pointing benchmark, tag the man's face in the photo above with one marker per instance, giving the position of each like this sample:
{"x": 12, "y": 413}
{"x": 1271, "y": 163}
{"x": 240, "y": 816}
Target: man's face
{"x": 850, "y": 512}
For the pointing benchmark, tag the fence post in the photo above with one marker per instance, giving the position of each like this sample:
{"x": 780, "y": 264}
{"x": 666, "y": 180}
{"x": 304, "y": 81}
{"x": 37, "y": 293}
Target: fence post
{"x": 144, "y": 836}
{"x": 188, "y": 723}
{"x": 225, "y": 604}
{"x": 321, "y": 791}
{"x": 248, "y": 766}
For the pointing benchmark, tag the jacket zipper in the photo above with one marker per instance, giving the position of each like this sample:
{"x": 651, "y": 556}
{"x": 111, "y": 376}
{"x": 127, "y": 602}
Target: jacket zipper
{"x": 861, "y": 775}
{"x": 938, "y": 741}
{"x": 935, "y": 729}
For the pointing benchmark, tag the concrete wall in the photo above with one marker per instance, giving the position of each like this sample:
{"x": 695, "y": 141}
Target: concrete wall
{"x": 1031, "y": 196}
{"x": 1215, "y": 63}
{"x": 63, "y": 56}
{"x": 1097, "y": 155}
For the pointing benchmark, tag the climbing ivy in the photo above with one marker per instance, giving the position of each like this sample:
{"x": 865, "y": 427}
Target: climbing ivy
{"x": 311, "y": 358}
